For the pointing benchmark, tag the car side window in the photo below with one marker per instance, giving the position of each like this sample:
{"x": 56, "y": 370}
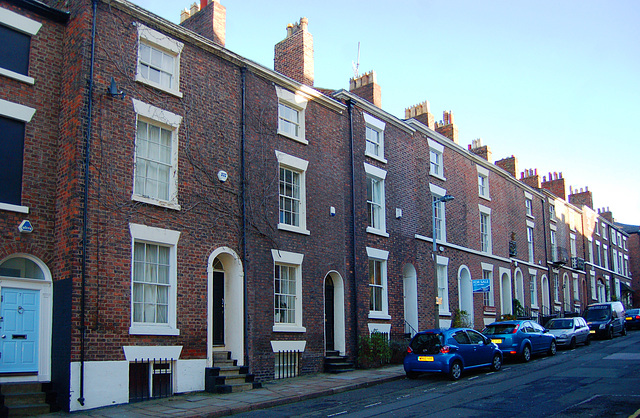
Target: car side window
{"x": 527, "y": 327}
{"x": 461, "y": 337}
{"x": 475, "y": 337}
{"x": 537, "y": 327}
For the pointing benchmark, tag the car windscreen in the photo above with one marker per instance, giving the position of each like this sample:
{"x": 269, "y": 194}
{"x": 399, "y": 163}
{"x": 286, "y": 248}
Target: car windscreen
{"x": 597, "y": 313}
{"x": 426, "y": 343}
{"x": 633, "y": 312}
{"x": 560, "y": 324}
{"x": 496, "y": 329}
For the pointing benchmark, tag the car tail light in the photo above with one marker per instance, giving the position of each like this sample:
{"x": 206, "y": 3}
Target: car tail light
{"x": 445, "y": 349}
{"x": 637, "y": 316}
{"x": 409, "y": 350}
{"x": 515, "y": 329}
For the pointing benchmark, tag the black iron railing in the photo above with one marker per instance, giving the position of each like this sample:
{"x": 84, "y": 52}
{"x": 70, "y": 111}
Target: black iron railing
{"x": 287, "y": 364}
{"x": 150, "y": 379}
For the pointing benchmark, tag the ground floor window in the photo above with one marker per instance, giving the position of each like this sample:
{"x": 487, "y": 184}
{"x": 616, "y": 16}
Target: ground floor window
{"x": 150, "y": 379}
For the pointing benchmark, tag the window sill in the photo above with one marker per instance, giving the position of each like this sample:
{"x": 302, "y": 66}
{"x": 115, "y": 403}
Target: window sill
{"x": 155, "y": 202}
{"x": 485, "y": 197}
{"x": 377, "y": 232}
{"x": 17, "y": 76}
{"x": 530, "y": 216}
{"x": 14, "y": 208}
{"x": 153, "y": 330}
{"x": 296, "y": 229}
{"x": 376, "y": 157}
{"x": 288, "y": 328}
{"x": 172, "y": 92}
{"x": 295, "y": 138}
{"x": 438, "y": 176}
{"x": 378, "y": 315}
{"x": 444, "y": 313}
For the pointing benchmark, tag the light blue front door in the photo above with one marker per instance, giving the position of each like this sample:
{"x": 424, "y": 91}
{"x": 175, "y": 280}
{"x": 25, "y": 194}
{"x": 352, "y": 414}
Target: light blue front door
{"x": 19, "y": 310}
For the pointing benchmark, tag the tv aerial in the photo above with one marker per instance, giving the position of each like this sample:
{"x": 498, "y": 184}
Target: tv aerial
{"x": 356, "y": 64}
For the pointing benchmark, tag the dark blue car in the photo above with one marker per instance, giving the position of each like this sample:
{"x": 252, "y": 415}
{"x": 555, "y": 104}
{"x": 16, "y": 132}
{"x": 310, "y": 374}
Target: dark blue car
{"x": 521, "y": 338}
{"x": 450, "y": 351}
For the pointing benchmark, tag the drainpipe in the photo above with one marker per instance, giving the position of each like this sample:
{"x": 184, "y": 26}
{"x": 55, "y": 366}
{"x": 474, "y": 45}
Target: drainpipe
{"x": 85, "y": 211}
{"x": 350, "y": 104}
{"x": 546, "y": 257}
{"x": 243, "y": 73}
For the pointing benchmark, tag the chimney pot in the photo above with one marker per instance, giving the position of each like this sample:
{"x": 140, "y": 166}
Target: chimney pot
{"x": 194, "y": 9}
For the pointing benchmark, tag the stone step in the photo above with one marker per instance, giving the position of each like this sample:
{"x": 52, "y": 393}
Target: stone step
{"x": 28, "y": 410}
{"x": 225, "y": 363}
{"x": 27, "y": 398}
{"x": 221, "y": 355}
{"x": 241, "y": 387}
{"x": 7, "y": 388}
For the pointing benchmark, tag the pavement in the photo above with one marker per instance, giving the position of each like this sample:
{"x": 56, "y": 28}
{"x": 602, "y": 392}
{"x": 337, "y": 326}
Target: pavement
{"x": 272, "y": 393}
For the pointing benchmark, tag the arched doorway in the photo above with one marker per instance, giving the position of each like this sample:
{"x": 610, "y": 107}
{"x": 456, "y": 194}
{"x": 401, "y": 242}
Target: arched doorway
{"x": 225, "y": 319}
{"x": 27, "y": 312}
{"x": 410, "y": 292}
{"x": 335, "y": 338}
{"x": 546, "y": 309}
{"x": 505, "y": 294}
{"x": 465, "y": 294}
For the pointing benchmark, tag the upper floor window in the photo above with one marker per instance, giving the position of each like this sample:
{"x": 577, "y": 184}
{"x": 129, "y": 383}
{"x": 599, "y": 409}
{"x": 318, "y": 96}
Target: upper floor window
{"x": 293, "y": 206}
{"x": 528, "y": 203}
{"x": 530, "y": 243}
{"x": 572, "y": 244}
{"x": 597, "y": 259}
{"x": 552, "y": 211}
{"x": 15, "y": 44}
{"x": 375, "y": 200}
{"x": 613, "y": 236}
{"x": 13, "y": 119}
{"x": 605, "y": 256}
{"x": 597, "y": 228}
{"x": 158, "y": 60}
{"x": 287, "y": 291}
{"x": 153, "y": 280}
{"x": 485, "y": 229}
{"x": 436, "y": 162}
{"x": 440, "y": 232}
{"x": 378, "y": 292}
{"x": 156, "y": 156}
{"x": 554, "y": 245}
{"x": 291, "y": 110}
{"x": 590, "y": 250}
{"x": 374, "y": 132}
{"x": 483, "y": 182}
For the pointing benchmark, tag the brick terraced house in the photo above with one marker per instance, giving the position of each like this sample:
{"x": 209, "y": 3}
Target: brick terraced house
{"x": 175, "y": 217}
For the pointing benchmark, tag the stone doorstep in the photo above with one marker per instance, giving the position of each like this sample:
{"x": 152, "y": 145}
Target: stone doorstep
{"x": 27, "y": 398}
{"x": 7, "y": 388}
{"x": 26, "y": 410}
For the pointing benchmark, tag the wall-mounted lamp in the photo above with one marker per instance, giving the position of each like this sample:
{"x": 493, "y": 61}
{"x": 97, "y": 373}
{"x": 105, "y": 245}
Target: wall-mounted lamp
{"x": 113, "y": 90}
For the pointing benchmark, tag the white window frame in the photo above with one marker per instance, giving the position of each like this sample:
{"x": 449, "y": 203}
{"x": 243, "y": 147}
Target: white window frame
{"x": 299, "y": 166}
{"x": 380, "y": 175}
{"x": 295, "y": 102}
{"x": 170, "y": 121}
{"x": 490, "y": 299}
{"x": 552, "y": 211}
{"x": 381, "y": 256}
{"x": 590, "y": 249}
{"x": 533, "y": 290}
{"x": 605, "y": 256}
{"x": 163, "y": 43}
{"x": 377, "y": 126}
{"x": 483, "y": 190}
{"x": 530, "y": 241}
{"x": 597, "y": 228}
{"x": 168, "y": 238}
{"x": 485, "y": 211}
{"x": 598, "y": 259}
{"x": 290, "y": 259}
{"x": 594, "y": 294}
{"x": 553, "y": 241}
{"x": 439, "y": 192}
{"x": 614, "y": 260}
{"x": 528, "y": 203}
{"x": 436, "y": 149}
{"x": 572, "y": 245}
{"x": 443, "y": 284}
{"x": 24, "y": 25}
{"x": 556, "y": 286}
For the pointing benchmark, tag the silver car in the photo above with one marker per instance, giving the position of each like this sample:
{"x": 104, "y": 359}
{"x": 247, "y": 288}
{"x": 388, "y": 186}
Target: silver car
{"x": 569, "y": 331}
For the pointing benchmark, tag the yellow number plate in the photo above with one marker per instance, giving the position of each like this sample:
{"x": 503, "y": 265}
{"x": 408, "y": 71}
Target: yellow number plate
{"x": 496, "y": 340}
{"x": 425, "y": 358}
{"x": 592, "y": 332}
{"x": 629, "y": 318}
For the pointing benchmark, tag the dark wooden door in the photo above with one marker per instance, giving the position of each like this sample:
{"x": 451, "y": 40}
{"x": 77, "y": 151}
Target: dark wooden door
{"x": 329, "y": 313}
{"x": 218, "y": 308}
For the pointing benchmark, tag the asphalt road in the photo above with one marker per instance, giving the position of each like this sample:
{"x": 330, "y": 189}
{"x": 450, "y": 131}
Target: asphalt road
{"x": 600, "y": 380}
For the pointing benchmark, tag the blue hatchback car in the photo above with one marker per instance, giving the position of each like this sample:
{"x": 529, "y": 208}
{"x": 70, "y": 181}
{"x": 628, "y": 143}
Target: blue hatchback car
{"x": 521, "y": 338}
{"x": 450, "y": 351}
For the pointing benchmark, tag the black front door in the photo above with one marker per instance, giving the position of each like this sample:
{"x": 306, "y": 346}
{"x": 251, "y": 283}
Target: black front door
{"x": 218, "y": 308}
{"x": 328, "y": 313}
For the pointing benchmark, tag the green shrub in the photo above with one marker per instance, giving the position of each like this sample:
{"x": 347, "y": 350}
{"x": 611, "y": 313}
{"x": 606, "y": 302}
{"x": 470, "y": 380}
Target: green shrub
{"x": 373, "y": 350}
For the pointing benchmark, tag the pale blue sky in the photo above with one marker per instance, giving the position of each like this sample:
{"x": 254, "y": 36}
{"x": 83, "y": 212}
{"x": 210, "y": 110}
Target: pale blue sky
{"x": 555, "y": 83}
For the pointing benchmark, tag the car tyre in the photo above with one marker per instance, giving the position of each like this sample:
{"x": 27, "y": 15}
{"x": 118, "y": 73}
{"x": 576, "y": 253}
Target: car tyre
{"x": 456, "y": 370}
{"x": 610, "y": 333}
{"x": 552, "y": 349}
{"x": 624, "y": 331}
{"x": 588, "y": 340}
{"x": 496, "y": 364}
{"x": 572, "y": 344}
{"x": 526, "y": 353}
{"x": 412, "y": 375}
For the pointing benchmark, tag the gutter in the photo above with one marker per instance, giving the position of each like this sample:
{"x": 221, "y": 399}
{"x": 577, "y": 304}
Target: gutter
{"x": 350, "y": 104}
{"x": 243, "y": 73}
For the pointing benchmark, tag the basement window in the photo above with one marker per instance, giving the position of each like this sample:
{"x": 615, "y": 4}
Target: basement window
{"x": 150, "y": 379}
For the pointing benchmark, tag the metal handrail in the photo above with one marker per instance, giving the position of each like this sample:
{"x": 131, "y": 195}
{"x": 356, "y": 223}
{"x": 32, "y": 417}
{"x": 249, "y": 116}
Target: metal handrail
{"x": 413, "y": 330}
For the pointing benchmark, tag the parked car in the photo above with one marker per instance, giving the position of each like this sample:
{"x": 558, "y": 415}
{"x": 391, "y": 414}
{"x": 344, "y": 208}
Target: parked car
{"x": 521, "y": 338}
{"x": 569, "y": 331}
{"x": 632, "y": 317}
{"x": 605, "y": 319}
{"x": 450, "y": 351}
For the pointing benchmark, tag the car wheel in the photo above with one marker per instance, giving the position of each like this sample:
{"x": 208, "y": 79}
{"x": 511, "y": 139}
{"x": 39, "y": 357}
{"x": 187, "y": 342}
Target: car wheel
{"x": 588, "y": 340}
{"x": 624, "y": 331}
{"x": 456, "y": 370}
{"x": 552, "y": 348}
{"x": 496, "y": 364}
{"x": 412, "y": 375}
{"x": 572, "y": 344}
{"x": 610, "y": 333}
{"x": 526, "y": 353}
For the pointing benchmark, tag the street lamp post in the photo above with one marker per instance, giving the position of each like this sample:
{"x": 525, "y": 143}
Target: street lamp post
{"x": 436, "y": 201}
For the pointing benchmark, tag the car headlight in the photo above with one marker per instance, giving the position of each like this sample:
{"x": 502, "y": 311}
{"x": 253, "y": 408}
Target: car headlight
{"x": 563, "y": 336}
{"x": 603, "y": 326}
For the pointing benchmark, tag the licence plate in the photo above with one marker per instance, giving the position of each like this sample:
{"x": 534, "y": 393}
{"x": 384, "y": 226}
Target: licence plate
{"x": 592, "y": 332}
{"x": 425, "y": 358}
{"x": 496, "y": 340}
{"x": 628, "y": 318}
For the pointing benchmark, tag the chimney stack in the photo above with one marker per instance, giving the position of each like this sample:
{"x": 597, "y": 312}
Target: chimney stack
{"x": 446, "y": 127}
{"x": 555, "y": 185}
{"x": 294, "y": 54}
{"x": 531, "y": 178}
{"x": 422, "y": 113}
{"x": 208, "y": 20}
{"x": 509, "y": 164}
{"x": 581, "y": 197}
{"x": 367, "y": 87}
{"x": 480, "y": 150}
